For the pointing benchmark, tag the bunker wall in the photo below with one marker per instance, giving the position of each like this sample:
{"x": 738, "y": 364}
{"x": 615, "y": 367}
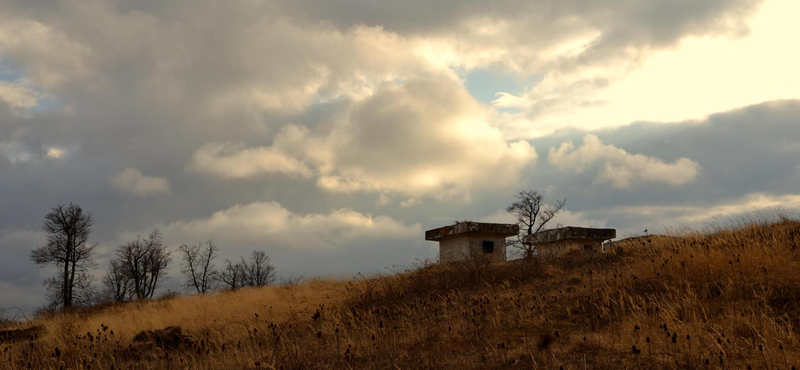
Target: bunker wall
{"x": 462, "y": 247}
{"x": 565, "y": 246}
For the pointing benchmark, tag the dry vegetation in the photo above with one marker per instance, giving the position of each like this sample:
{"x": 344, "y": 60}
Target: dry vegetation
{"x": 723, "y": 298}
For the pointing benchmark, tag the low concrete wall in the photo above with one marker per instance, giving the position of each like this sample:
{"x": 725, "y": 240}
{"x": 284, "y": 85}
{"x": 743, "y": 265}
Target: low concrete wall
{"x": 565, "y": 246}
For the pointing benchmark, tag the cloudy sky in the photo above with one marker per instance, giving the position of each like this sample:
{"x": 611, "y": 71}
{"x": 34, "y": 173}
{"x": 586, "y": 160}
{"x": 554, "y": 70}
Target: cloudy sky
{"x": 332, "y": 134}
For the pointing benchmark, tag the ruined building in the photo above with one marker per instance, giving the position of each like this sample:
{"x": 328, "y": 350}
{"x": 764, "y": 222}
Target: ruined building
{"x": 468, "y": 239}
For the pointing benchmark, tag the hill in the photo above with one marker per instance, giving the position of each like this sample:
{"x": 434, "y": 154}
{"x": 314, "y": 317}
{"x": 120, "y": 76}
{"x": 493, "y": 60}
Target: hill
{"x": 713, "y": 299}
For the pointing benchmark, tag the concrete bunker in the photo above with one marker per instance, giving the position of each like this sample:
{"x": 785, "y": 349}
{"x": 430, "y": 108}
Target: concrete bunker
{"x": 468, "y": 239}
{"x": 556, "y": 242}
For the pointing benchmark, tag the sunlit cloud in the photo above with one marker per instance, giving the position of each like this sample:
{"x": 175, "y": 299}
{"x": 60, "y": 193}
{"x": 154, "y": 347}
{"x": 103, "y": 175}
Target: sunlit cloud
{"x": 270, "y": 223}
{"x": 621, "y": 168}
{"x": 755, "y": 205}
{"x": 424, "y": 137}
{"x": 230, "y": 161}
{"x": 18, "y": 95}
{"x": 131, "y": 181}
{"x": 752, "y": 204}
{"x": 55, "y": 153}
{"x": 701, "y": 75}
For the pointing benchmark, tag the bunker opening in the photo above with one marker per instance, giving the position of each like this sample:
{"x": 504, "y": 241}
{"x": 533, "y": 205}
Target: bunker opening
{"x": 488, "y": 246}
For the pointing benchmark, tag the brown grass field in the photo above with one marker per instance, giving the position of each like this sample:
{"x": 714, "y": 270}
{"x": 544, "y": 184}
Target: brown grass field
{"x": 720, "y": 298}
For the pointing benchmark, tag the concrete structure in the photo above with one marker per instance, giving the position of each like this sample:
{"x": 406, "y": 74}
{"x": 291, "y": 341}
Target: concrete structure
{"x": 559, "y": 241}
{"x": 466, "y": 240}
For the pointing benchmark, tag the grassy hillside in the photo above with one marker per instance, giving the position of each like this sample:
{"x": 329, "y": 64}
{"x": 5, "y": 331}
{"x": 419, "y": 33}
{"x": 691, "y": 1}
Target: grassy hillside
{"x": 717, "y": 299}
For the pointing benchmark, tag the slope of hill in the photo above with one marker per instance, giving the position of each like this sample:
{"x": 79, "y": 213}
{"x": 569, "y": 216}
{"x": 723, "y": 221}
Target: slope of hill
{"x": 717, "y": 299}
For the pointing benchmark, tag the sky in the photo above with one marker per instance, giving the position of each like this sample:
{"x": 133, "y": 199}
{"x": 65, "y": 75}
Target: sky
{"x": 332, "y": 135}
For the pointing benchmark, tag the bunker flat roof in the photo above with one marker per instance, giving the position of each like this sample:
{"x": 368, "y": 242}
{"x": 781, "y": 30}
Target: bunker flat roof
{"x": 471, "y": 227}
{"x": 570, "y": 233}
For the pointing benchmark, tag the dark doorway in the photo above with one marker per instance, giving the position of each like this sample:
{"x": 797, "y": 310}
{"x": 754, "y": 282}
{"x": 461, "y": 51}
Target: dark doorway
{"x": 488, "y": 246}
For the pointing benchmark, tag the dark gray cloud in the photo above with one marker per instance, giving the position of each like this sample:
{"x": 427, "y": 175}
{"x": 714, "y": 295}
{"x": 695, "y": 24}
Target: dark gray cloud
{"x": 623, "y": 30}
{"x": 658, "y": 21}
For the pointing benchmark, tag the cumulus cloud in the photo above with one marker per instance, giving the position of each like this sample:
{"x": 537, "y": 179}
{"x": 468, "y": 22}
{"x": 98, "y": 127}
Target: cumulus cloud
{"x": 750, "y": 203}
{"x": 131, "y": 181}
{"x": 588, "y": 48}
{"x": 505, "y": 31}
{"x": 49, "y": 54}
{"x": 422, "y": 137}
{"x": 270, "y": 224}
{"x": 55, "y": 153}
{"x": 658, "y": 217}
{"x": 281, "y": 58}
{"x": 687, "y": 81}
{"x": 254, "y": 58}
{"x": 284, "y": 56}
{"x": 621, "y": 168}
{"x": 18, "y": 95}
{"x": 410, "y": 203}
{"x": 230, "y": 161}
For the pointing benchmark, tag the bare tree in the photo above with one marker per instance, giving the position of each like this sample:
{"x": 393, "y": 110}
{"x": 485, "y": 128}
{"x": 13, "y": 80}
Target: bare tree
{"x": 532, "y": 215}
{"x": 117, "y": 284}
{"x": 144, "y": 261}
{"x": 258, "y": 271}
{"x": 68, "y": 229}
{"x": 83, "y": 293}
{"x": 197, "y": 266}
{"x": 233, "y": 276}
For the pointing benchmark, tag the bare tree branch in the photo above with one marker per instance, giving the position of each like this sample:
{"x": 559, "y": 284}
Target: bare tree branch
{"x": 533, "y": 216}
{"x": 144, "y": 261}
{"x": 258, "y": 271}
{"x": 233, "y": 276}
{"x": 117, "y": 284}
{"x": 198, "y": 267}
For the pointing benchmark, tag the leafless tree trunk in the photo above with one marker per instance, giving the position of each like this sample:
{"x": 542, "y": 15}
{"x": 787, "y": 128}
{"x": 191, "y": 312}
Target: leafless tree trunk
{"x": 258, "y": 270}
{"x": 532, "y": 215}
{"x": 233, "y": 276}
{"x": 68, "y": 231}
{"x": 144, "y": 261}
{"x": 117, "y": 284}
{"x": 83, "y": 293}
{"x": 197, "y": 266}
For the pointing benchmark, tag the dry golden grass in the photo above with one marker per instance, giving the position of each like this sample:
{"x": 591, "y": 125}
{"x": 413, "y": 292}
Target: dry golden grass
{"x": 714, "y": 299}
